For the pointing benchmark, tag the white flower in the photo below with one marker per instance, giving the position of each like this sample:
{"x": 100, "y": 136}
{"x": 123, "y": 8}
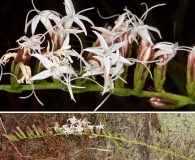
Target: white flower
{"x": 73, "y": 120}
{"x": 65, "y": 53}
{"x": 30, "y": 44}
{"x": 99, "y": 127}
{"x": 79, "y": 128}
{"x": 66, "y": 129}
{"x": 142, "y": 30}
{"x": 109, "y": 63}
{"x": 137, "y": 26}
{"x": 54, "y": 69}
{"x": 108, "y": 33}
{"x": 108, "y": 51}
{"x": 111, "y": 33}
{"x": 44, "y": 16}
{"x": 73, "y": 17}
{"x": 169, "y": 49}
{"x": 121, "y": 24}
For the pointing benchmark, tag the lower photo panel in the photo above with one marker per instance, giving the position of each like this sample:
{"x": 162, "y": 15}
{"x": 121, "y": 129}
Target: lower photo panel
{"x": 97, "y": 136}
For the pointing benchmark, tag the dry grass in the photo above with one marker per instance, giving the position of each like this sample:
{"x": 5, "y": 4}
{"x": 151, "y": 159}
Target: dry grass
{"x": 166, "y": 131}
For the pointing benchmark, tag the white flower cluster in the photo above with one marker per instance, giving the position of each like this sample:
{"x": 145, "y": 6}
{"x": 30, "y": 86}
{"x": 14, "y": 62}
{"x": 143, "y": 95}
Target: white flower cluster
{"x": 77, "y": 126}
{"x": 109, "y": 54}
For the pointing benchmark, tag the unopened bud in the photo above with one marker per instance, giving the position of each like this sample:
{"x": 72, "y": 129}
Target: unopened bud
{"x": 141, "y": 71}
{"x": 191, "y": 66}
{"x": 58, "y": 38}
{"x": 159, "y": 102}
{"x": 160, "y": 73}
{"x": 191, "y": 73}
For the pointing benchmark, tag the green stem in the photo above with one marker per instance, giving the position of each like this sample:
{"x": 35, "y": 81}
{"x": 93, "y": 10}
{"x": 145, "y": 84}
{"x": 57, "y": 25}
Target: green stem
{"x": 181, "y": 100}
{"x": 135, "y": 142}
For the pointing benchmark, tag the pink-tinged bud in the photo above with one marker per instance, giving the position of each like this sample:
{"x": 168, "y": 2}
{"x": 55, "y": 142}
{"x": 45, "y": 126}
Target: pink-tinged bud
{"x": 190, "y": 86}
{"x": 160, "y": 73}
{"x": 191, "y": 66}
{"x": 162, "y": 103}
{"x": 145, "y": 54}
{"x": 162, "y": 59}
{"x": 58, "y": 38}
{"x": 145, "y": 51}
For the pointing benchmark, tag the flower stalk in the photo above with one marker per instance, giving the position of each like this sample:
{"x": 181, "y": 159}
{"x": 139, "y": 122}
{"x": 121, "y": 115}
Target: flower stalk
{"x": 123, "y": 92}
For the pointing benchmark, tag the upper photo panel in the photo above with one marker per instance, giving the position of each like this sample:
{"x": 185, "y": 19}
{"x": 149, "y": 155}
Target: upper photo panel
{"x": 94, "y": 55}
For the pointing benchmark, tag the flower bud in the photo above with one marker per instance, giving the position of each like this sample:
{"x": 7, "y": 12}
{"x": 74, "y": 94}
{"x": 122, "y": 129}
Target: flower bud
{"x": 160, "y": 73}
{"x": 126, "y": 51}
{"x": 161, "y": 103}
{"x": 191, "y": 73}
{"x": 58, "y": 38}
{"x": 145, "y": 54}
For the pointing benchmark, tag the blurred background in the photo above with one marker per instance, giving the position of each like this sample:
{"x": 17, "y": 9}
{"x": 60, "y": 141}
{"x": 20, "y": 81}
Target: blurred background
{"x": 175, "y": 22}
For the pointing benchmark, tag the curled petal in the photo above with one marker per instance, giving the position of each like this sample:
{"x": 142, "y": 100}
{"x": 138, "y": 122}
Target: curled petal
{"x": 34, "y": 21}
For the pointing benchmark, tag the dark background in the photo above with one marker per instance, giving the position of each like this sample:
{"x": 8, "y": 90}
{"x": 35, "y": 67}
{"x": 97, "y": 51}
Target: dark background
{"x": 179, "y": 12}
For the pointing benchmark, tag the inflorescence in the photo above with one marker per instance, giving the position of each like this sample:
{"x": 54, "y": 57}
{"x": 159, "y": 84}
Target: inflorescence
{"x": 109, "y": 57}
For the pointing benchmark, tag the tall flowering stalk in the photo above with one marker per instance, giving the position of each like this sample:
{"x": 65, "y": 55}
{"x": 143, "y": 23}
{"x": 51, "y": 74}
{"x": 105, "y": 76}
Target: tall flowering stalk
{"x": 60, "y": 66}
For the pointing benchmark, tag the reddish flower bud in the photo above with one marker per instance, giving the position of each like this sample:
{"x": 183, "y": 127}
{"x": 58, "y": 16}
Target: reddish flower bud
{"x": 191, "y": 66}
{"x": 159, "y": 102}
{"x": 145, "y": 51}
{"x": 145, "y": 54}
{"x": 190, "y": 86}
{"x": 58, "y": 38}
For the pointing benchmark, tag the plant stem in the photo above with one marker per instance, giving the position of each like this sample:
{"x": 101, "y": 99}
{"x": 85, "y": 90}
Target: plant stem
{"x": 181, "y": 100}
{"x": 135, "y": 142}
